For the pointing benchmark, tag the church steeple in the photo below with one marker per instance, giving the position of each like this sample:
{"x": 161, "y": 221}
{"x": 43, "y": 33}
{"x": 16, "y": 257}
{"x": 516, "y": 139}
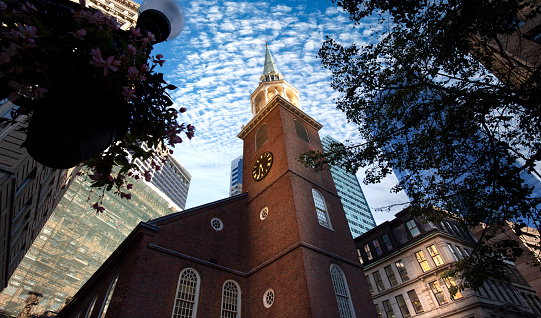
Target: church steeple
{"x": 272, "y": 84}
{"x": 270, "y": 71}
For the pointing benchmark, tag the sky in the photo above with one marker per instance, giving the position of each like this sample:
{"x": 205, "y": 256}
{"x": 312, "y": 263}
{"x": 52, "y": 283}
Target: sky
{"x": 216, "y": 63}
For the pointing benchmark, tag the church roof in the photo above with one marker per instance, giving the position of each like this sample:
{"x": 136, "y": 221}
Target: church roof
{"x": 270, "y": 66}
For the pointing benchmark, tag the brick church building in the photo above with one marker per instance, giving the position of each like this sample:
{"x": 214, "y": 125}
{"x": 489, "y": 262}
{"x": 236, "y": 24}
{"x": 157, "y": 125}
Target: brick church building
{"x": 280, "y": 249}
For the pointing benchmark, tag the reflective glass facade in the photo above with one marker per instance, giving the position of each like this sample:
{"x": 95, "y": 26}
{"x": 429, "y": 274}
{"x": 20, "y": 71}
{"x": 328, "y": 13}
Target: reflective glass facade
{"x": 357, "y": 211}
{"x": 235, "y": 184}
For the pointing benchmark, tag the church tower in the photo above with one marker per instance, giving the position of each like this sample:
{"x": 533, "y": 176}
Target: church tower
{"x": 296, "y": 222}
{"x": 280, "y": 249}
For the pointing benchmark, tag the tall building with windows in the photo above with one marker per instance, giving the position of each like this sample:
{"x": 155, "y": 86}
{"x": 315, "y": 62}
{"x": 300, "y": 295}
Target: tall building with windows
{"x": 75, "y": 242}
{"x": 356, "y": 207}
{"x": 404, "y": 259}
{"x": 125, "y": 11}
{"x": 235, "y": 182}
{"x": 282, "y": 248}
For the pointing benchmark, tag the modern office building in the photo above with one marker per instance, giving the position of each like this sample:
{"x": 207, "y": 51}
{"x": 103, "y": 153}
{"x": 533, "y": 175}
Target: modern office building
{"x": 403, "y": 262}
{"x": 235, "y": 182}
{"x": 29, "y": 192}
{"x": 172, "y": 179}
{"x": 282, "y": 248}
{"x": 75, "y": 242}
{"x": 356, "y": 207}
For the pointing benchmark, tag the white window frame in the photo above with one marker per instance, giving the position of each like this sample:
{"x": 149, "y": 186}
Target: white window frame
{"x": 347, "y": 294}
{"x": 320, "y": 213}
{"x": 239, "y": 296}
{"x": 197, "y": 286}
{"x": 108, "y": 296}
{"x": 91, "y": 307}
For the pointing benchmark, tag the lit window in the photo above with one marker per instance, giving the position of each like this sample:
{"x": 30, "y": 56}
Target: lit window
{"x": 438, "y": 292}
{"x": 369, "y": 285}
{"x": 187, "y": 294}
{"x": 413, "y": 228}
{"x": 403, "y": 306}
{"x": 390, "y": 275}
{"x": 436, "y": 257}
{"x": 377, "y": 247}
{"x": 422, "y": 261}
{"x": 108, "y": 297}
{"x": 378, "y": 310}
{"x": 231, "y": 297}
{"x": 402, "y": 270}
{"x": 388, "y": 309}
{"x": 360, "y": 257}
{"x": 342, "y": 292}
{"x": 415, "y": 302}
{"x": 261, "y": 136}
{"x": 368, "y": 252}
{"x": 451, "y": 286}
{"x": 321, "y": 209}
{"x": 302, "y": 133}
{"x": 387, "y": 242}
{"x": 379, "y": 281}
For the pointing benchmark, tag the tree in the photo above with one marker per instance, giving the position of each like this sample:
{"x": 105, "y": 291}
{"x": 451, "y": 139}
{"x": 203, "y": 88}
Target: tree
{"x": 448, "y": 96}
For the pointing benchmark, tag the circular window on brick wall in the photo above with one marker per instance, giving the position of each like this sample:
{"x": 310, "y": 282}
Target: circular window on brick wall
{"x": 264, "y": 213}
{"x": 268, "y": 298}
{"x": 217, "y": 224}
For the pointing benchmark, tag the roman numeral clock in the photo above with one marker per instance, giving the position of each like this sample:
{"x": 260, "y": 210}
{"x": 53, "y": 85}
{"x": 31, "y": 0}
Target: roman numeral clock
{"x": 262, "y": 166}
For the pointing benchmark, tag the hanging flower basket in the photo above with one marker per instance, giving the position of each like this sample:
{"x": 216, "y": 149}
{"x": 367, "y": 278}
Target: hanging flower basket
{"x": 90, "y": 89}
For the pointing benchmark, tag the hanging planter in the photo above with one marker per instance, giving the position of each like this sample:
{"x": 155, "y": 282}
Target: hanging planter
{"x": 88, "y": 88}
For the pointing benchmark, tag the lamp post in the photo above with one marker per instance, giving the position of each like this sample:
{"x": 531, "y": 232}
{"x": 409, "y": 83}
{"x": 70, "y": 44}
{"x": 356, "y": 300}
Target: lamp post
{"x": 74, "y": 123}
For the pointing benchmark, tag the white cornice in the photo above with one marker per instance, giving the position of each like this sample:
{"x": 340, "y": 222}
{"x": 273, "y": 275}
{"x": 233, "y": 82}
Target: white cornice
{"x": 275, "y": 101}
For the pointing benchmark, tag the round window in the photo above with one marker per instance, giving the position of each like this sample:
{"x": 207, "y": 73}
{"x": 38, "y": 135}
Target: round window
{"x": 217, "y": 224}
{"x": 264, "y": 213}
{"x": 268, "y": 298}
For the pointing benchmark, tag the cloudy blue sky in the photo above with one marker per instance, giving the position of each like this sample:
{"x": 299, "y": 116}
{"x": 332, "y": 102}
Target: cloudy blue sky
{"x": 216, "y": 62}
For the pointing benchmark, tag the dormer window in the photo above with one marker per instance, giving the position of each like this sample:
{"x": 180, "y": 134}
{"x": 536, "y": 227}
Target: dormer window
{"x": 413, "y": 228}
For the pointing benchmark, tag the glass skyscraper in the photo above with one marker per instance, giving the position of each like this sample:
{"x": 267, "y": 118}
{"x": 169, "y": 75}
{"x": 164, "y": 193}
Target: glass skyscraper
{"x": 74, "y": 243}
{"x": 235, "y": 183}
{"x": 357, "y": 211}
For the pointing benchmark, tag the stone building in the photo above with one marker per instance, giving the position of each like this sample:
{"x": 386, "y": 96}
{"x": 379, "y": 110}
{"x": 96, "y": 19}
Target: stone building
{"x": 404, "y": 258}
{"x": 280, "y": 249}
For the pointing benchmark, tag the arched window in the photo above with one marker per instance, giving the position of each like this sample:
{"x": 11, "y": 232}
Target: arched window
{"x": 321, "y": 209}
{"x": 91, "y": 307}
{"x": 108, "y": 297}
{"x": 231, "y": 300}
{"x": 261, "y": 136}
{"x": 187, "y": 294}
{"x": 302, "y": 133}
{"x": 342, "y": 292}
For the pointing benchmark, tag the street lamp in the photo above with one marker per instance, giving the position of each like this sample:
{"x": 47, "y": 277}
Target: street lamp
{"x": 163, "y": 18}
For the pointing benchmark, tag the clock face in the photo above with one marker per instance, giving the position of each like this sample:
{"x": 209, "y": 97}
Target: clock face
{"x": 262, "y": 166}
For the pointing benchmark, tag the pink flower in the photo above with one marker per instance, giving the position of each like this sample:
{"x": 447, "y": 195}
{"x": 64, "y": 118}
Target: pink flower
{"x": 110, "y": 64}
{"x": 28, "y": 32}
{"x": 135, "y": 32}
{"x": 98, "y": 16}
{"x": 40, "y": 91}
{"x": 12, "y": 35}
{"x": 151, "y": 37}
{"x": 82, "y": 2}
{"x": 148, "y": 176}
{"x": 144, "y": 68}
{"x": 125, "y": 195}
{"x": 113, "y": 23}
{"x": 79, "y": 34}
{"x": 129, "y": 93}
{"x": 131, "y": 50}
{"x": 27, "y": 7}
{"x": 98, "y": 208}
{"x": 174, "y": 140}
{"x": 182, "y": 109}
{"x": 129, "y": 186}
{"x": 133, "y": 73}
{"x": 97, "y": 60}
{"x": 11, "y": 50}
{"x": 159, "y": 56}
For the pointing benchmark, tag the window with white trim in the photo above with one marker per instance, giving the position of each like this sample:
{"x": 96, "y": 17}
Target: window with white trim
{"x": 231, "y": 297}
{"x": 413, "y": 228}
{"x": 187, "y": 294}
{"x": 108, "y": 297}
{"x": 91, "y": 307}
{"x": 342, "y": 292}
{"x": 321, "y": 209}
{"x": 452, "y": 251}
